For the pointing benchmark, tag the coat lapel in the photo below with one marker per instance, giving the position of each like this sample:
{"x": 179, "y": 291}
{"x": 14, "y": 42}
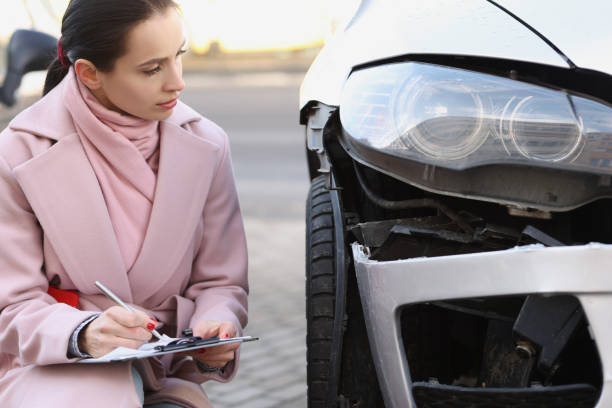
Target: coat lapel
{"x": 66, "y": 197}
{"x": 65, "y": 194}
{"x": 186, "y": 168}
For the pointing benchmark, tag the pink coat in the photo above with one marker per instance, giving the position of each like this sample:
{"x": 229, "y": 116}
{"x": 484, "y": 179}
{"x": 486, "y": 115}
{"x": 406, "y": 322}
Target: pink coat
{"x": 54, "y": 226}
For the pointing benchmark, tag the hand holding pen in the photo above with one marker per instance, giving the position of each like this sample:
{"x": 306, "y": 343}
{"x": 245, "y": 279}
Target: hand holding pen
{"x": 109, "y": 294}
{"x": 117, "y": 326}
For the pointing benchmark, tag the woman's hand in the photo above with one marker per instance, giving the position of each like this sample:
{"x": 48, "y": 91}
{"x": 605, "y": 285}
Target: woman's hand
{"x": 217, "y": 356}
{"x": 116, "y": 327}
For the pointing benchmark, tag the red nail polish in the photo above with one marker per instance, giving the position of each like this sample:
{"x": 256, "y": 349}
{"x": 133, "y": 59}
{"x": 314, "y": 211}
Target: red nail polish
{"x": 226, "y": 335}
{"x": 150, "y": 326}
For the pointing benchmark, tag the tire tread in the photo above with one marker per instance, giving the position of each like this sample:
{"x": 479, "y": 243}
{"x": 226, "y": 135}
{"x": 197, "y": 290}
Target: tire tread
{"x": 320, "y": 291}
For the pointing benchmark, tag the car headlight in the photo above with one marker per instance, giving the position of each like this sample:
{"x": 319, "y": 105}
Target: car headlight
{"x": 460, "y": 119}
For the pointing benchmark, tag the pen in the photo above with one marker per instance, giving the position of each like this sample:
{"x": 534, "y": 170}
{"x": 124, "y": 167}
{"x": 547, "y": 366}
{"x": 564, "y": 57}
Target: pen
{"x": 120, "y": 302}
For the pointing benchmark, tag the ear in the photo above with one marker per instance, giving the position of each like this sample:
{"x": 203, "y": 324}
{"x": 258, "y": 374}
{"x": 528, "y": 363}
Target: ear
{"x": 87, "y": 72}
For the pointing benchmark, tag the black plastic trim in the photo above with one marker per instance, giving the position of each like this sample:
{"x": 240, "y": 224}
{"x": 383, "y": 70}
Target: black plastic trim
{"x": 430, "y": 395}
{"x": 340, "y": 306}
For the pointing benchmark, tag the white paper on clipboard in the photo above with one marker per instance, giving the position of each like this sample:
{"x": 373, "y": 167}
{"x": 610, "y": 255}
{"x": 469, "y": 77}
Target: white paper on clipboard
{"x": 148, "y": 350}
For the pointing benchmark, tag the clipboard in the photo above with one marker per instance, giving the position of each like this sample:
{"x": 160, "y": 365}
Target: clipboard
{"x": 161, "y": 347}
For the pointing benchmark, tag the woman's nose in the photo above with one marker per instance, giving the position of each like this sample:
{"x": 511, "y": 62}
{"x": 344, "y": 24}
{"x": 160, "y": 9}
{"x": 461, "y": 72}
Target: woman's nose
{"x": 174, "y": 81}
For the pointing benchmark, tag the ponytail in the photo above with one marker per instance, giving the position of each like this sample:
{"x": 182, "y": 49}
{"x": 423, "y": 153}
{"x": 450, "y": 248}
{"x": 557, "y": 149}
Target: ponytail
{"x": 96, "y": 30}
{"x": 56, "y": 72}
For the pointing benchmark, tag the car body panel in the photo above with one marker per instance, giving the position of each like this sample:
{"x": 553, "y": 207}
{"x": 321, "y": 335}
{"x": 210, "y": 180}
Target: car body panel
{"x": 580, "y": 30}
{"x": 387, "y": 28}
{"x": 385, "y": 287}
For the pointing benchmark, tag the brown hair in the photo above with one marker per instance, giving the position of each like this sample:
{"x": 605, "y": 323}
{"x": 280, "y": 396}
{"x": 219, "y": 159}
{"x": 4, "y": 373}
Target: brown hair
{"x": 96, "y": 30}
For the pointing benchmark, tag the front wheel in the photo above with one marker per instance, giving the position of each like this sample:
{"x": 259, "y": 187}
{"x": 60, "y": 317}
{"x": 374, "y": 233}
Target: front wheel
{"x": 320, "y": 291}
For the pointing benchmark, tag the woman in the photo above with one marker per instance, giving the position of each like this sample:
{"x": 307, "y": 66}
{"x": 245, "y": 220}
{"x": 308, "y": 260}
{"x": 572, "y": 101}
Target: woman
{"x": 110, "y": 178}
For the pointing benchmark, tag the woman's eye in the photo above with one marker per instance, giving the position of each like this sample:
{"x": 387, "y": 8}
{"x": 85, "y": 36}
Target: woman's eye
{"x": 181, "y": 52}
{"x": 153, "y": 71}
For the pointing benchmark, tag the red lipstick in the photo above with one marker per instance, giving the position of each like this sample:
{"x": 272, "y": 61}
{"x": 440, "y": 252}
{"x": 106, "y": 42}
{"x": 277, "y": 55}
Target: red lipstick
{"x": 168, "y": 105}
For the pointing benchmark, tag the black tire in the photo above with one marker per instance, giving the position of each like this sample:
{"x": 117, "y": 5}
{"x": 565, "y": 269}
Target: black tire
{"x": 320, "y": 291}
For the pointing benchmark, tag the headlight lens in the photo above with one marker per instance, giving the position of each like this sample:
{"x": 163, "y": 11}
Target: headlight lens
{"x": 460, "y": 119}
{"x": 542, "y": 127}
{"x": 440, "y": 118}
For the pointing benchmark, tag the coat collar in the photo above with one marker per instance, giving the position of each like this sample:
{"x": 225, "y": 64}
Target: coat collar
{"x": 187, "y": 166}
{"x": 66, "y": 197}
{"x": 49, "y": 118}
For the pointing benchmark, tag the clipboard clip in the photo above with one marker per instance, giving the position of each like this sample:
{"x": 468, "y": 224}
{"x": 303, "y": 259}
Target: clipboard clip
{"x": 186, "y": 341}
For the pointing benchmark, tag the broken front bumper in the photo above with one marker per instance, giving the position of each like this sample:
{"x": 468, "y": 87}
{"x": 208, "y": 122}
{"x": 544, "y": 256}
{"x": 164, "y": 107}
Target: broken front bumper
{"x": 385, "y": 287}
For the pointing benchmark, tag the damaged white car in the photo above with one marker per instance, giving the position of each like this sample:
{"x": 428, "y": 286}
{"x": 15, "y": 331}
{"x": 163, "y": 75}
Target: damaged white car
{"x": 460, "y": 216}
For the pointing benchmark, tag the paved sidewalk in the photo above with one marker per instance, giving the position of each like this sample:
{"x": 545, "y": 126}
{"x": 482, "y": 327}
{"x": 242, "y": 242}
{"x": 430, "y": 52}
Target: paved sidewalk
{"x": 272, "y": 371}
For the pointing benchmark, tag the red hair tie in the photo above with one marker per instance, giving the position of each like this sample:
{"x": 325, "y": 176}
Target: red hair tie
{"x": 60, "y": 54}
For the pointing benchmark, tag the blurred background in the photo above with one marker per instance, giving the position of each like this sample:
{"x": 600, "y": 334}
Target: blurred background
{"x": 265, "y": 34}
{"x": 231, "y": 25}
{"x": 246, "y": 62}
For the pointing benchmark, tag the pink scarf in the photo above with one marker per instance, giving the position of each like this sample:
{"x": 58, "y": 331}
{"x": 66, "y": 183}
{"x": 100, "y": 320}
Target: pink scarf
{"x": 124, "y": 154}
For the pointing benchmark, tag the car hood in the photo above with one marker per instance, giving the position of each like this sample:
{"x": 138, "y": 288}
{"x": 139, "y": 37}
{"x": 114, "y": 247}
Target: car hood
{"x": 387, "y": 28}
{"x": 580, "y": 30}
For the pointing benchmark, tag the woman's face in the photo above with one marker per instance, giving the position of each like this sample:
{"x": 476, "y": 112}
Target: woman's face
{"x": 146, "y": 81}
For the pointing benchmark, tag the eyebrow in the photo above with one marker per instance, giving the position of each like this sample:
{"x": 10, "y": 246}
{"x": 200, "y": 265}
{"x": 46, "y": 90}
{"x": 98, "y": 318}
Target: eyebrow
{"x": 160, "y": 60}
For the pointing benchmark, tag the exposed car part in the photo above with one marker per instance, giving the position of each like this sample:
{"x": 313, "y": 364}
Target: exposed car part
{"x": 431, "y": 395}
{"x": 547, "y": 323}
{"x": 383, "y": 284}
{"x": 317, "y": 160}
{"x": 326, "y": 304}
{"x": 541, "y": 236}
{"x": 414, "y": 203}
